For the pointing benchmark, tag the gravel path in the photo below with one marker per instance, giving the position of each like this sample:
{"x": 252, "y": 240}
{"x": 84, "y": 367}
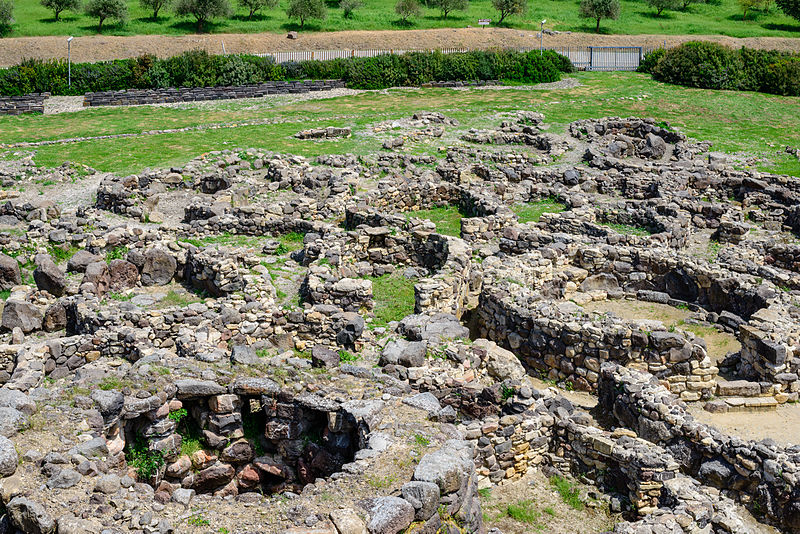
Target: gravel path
{"x": 104, "y": 47}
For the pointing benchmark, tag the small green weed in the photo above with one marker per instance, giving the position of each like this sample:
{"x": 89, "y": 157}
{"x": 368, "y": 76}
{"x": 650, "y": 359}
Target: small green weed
{"x": 569, "y": 492}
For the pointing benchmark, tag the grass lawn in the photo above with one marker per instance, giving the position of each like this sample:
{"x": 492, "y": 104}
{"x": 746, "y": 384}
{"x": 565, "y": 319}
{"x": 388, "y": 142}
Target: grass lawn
{"x": 532, "y": 211}
{"x": 447, "y": 219}
{"x": 723, "y": 17}
{"x": 394, "y": 297}
{"x": 758, "y": 123}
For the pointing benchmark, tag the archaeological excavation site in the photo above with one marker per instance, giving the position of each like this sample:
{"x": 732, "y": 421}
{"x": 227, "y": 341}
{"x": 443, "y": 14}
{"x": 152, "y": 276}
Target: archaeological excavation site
{"x": 584, "y": 329}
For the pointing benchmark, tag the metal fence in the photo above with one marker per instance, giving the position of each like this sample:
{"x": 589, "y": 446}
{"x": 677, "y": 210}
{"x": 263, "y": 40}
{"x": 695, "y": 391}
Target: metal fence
{"x": 600, "y": 58}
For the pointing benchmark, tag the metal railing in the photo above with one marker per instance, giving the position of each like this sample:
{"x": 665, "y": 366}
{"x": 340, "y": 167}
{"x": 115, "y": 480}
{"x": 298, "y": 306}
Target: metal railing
{"x": 600, "y": 58}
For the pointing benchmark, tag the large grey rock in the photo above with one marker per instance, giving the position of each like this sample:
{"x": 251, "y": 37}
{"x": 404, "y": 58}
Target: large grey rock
{"x": 11, "y": 421}
{"x": 95, "y": 447}
{"x": 108, "y": 402}
{"x": 255, "y": 386}
{"x": 405, "y": 353}
{"x": 24, "y": 315}
{"x": 9, "y": 272}
{"x": 48, "y": 276}
{"x": 423, "y": 496}
{"x": 108, "y": 484}
{"x": 55, "y": 317}
{"x": 78, "y": 262}
{"x": 64, "y": 479}
{"x": 500, "y": 363}
{"x": 390, "y": 515}
{"x": 347, "y": 521}
{"x": 159, "y": 267}
{"x": 8, "y": 457}
{"x": 69, "y": 524}
{"x": 30, "y": 516}
{"x": 435, "y": 328}
{"x": 447, "y": 466}
{"x": 123, "y": 275}
{"x": 424, "y": 401}
{"x": 97, "y": 274}
{"x": 654, "y": 148}
{"x": 600, "y": 282}
{"x": 190, "y": 387}
{"x": 12, "y": 398}
{"x": 322, "y": 356}
{"x": 244, "y": 355}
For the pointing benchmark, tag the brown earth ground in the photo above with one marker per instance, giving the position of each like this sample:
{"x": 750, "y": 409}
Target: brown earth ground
{"x": 102, "y": 47}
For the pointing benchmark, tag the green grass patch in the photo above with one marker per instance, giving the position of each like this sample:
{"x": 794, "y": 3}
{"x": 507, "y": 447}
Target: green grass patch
{"x": 173, "y": 298}
{"x": 394, "y": 298}
{"x": 525, "y": 512}
{"x": 723, "y": 17}
{"x": 4, "y": 294}
{"x": 346, "y": 356}
{"x": 446, "y": 218}
{"x": 568, "y": 491}
{"x": 626, "y": 229}
{"x": 532, "y": 211}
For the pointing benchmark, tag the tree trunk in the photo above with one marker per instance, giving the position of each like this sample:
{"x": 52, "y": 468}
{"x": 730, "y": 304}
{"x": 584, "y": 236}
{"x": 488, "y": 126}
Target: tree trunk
{"x": 302, "y": 22}
{"x": 597, "y": 28}
{"x": 199, "y": 25}
{"x": 250, "y": 16}
{"x": 57, "y": 13}
{"x": 100, "y": 26}
{"x": 502, "y": 18}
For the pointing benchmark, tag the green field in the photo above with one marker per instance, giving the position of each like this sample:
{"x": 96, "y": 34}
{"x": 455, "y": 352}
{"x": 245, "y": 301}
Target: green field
{"x": 721, "y": 17}
{"x": 756, "y": 123}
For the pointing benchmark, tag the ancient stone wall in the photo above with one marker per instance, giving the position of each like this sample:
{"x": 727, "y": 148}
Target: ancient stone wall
{"x": 192, "y": 94}
{"x": 17, "y": 105}
{"x": 762, "y": 474}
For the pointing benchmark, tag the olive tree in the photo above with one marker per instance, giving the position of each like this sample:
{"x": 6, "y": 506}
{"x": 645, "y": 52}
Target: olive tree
{"x": 407, "y": 9}
{"x": 307, "y": 9}
{"x": 254, "y": 6}
{"x": 6, "y": 16}
{"x": 57, "y": 6}
{"x": 154, "y": 6}
{"x": 790, "y": 7}
{"x": 599, "y": 9}
{"x": 661, "y": 5}
{"x": 103, "y": 10}
{"x": 348, "y": 6}
{"x": 510, "y": 7}
{"x": 203, "y": 11}
{"x": 447, "y": 6}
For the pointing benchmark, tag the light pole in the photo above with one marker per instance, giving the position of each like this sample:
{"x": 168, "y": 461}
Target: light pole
{"x": 541, "y": 39}
{"x": 69, "y": 61}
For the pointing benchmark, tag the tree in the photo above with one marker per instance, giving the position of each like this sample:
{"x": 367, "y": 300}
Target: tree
{"x": 747, "y": 5}
{"x": 255, "y": 5}
{"x": 155, "y": 6}
{"x": 686, "y": 3}
{"x": 307, "y": 9}
{"x": 599, "y": 9}
{"x": 6, "y": 16}
{"x": 407, "y": 9}
{"x": 790, "y": 7}
{"x": 203, "y": 10}
{"x": 348, "y": 6}
{"x": 107, "y": 9}
{"x": 510, "y": 7}
{"x": 57, "y": 6}
{"x": 446, "y": 6}
{"x": 661, "y": 5}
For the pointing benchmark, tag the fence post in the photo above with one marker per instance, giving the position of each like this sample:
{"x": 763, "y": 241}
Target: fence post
{"x": 591, "y": 58}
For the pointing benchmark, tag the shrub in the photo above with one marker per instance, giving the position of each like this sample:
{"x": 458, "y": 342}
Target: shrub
{"x": 57, "y": 6}
{"x": 790, "y": 7}
{"x": 747, "y": 5}
{"x": 562, "y": 63}
{"x": 650, "y": 60}
{"x": 203, "y": 11}
{"x": 6, "y": 16}
{"x": 700, "y": 64}
{"x": 107, "y": 9}
{"x": 783, "y": 77}
{"x": 306, "y": 9}
{"x": 599, "y": 10}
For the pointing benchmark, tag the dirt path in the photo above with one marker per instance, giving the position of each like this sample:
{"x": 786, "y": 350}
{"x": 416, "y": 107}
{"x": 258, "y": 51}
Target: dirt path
{"x": 101, "y": 47}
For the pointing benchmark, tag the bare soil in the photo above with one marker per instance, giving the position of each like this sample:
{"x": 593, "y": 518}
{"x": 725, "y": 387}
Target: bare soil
{"x": 103, "y": 47}
{"x": 780, "y": 425}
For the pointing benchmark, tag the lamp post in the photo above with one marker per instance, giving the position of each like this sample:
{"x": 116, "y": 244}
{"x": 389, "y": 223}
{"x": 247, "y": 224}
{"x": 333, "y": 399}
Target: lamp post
{"x": 69, "y": 61}
{"x": 541, "y": 38}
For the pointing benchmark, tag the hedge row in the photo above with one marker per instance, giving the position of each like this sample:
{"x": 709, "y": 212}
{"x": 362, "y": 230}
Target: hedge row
{"x": 713, "y": 66}
{"x": 199, "y": 69}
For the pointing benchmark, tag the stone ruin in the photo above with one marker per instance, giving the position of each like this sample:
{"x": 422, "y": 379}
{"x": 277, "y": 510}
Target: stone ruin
{"x": 234, "y": 354}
